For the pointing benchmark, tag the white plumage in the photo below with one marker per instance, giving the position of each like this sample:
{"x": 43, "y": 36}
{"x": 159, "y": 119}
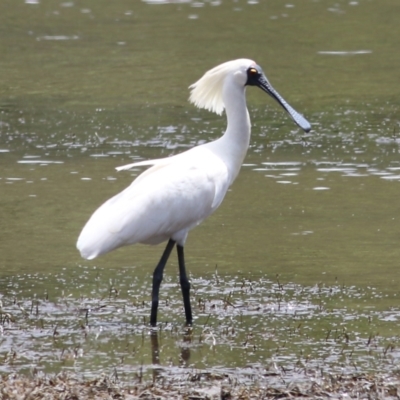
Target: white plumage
{"x": 164, "y": 202}
{"x": 177, "y": 193}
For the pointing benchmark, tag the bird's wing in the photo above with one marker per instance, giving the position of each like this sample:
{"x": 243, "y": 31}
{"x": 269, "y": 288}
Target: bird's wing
{"x": 166, "y": 199}
{"x": 196, "y": 156}
{"x": 178, "y": 191}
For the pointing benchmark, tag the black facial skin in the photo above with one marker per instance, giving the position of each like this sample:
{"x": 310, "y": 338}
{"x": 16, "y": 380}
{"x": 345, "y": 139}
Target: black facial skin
{"x": 253, "y": 76}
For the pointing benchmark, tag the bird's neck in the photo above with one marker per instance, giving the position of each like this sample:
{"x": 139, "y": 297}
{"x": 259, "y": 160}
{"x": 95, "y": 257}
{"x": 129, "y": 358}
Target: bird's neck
{"x": 236, "y": 139}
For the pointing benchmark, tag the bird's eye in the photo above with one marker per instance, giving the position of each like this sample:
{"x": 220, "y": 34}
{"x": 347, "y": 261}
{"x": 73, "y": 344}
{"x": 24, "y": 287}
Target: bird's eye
{"x": 253, "y": 71}
{"x": 253, "y": 75}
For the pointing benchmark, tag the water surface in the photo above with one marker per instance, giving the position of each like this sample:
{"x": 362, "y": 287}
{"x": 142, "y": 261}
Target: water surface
{"x": 88, "y": 86}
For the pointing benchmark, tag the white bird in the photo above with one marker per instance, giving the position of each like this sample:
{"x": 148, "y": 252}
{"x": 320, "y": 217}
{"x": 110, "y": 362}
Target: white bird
{"x": 177, "y": 193}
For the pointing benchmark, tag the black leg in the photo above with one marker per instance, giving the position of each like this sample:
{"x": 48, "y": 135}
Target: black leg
{"x": 185, "y": 285}
{"x": 157, "y": 278}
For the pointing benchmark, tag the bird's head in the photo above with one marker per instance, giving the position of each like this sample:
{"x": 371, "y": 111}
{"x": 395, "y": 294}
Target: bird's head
{"x": 207, "y": 91}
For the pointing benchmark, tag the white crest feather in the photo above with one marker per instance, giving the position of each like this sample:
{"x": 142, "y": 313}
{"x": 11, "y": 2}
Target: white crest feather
{"x": 207, "y": 91}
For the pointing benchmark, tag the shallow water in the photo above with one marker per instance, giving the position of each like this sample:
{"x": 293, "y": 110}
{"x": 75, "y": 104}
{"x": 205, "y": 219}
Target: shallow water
{"x": 87, "y": 87}
{"x": 248, "y": 329}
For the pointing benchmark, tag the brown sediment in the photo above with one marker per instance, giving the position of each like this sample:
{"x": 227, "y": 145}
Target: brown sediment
{"x": 197, "y": 386}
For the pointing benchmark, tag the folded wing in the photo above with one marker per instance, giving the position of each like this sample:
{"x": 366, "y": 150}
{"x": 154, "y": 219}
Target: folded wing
{"x": 165, "y": 201}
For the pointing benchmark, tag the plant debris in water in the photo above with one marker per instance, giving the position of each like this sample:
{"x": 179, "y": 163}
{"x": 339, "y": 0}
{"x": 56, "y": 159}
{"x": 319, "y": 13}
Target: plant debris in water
{"x": 251, "y": 339}
{"x": 198, "y": 387}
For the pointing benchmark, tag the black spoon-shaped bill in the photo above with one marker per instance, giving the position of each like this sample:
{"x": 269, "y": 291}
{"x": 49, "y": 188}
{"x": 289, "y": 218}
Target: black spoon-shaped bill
{"x": 256, "y": 77}
{"x": 297, "y": 117}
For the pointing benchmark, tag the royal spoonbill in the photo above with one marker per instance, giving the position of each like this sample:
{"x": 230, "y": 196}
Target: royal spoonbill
{"x": 177, "y": 193}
